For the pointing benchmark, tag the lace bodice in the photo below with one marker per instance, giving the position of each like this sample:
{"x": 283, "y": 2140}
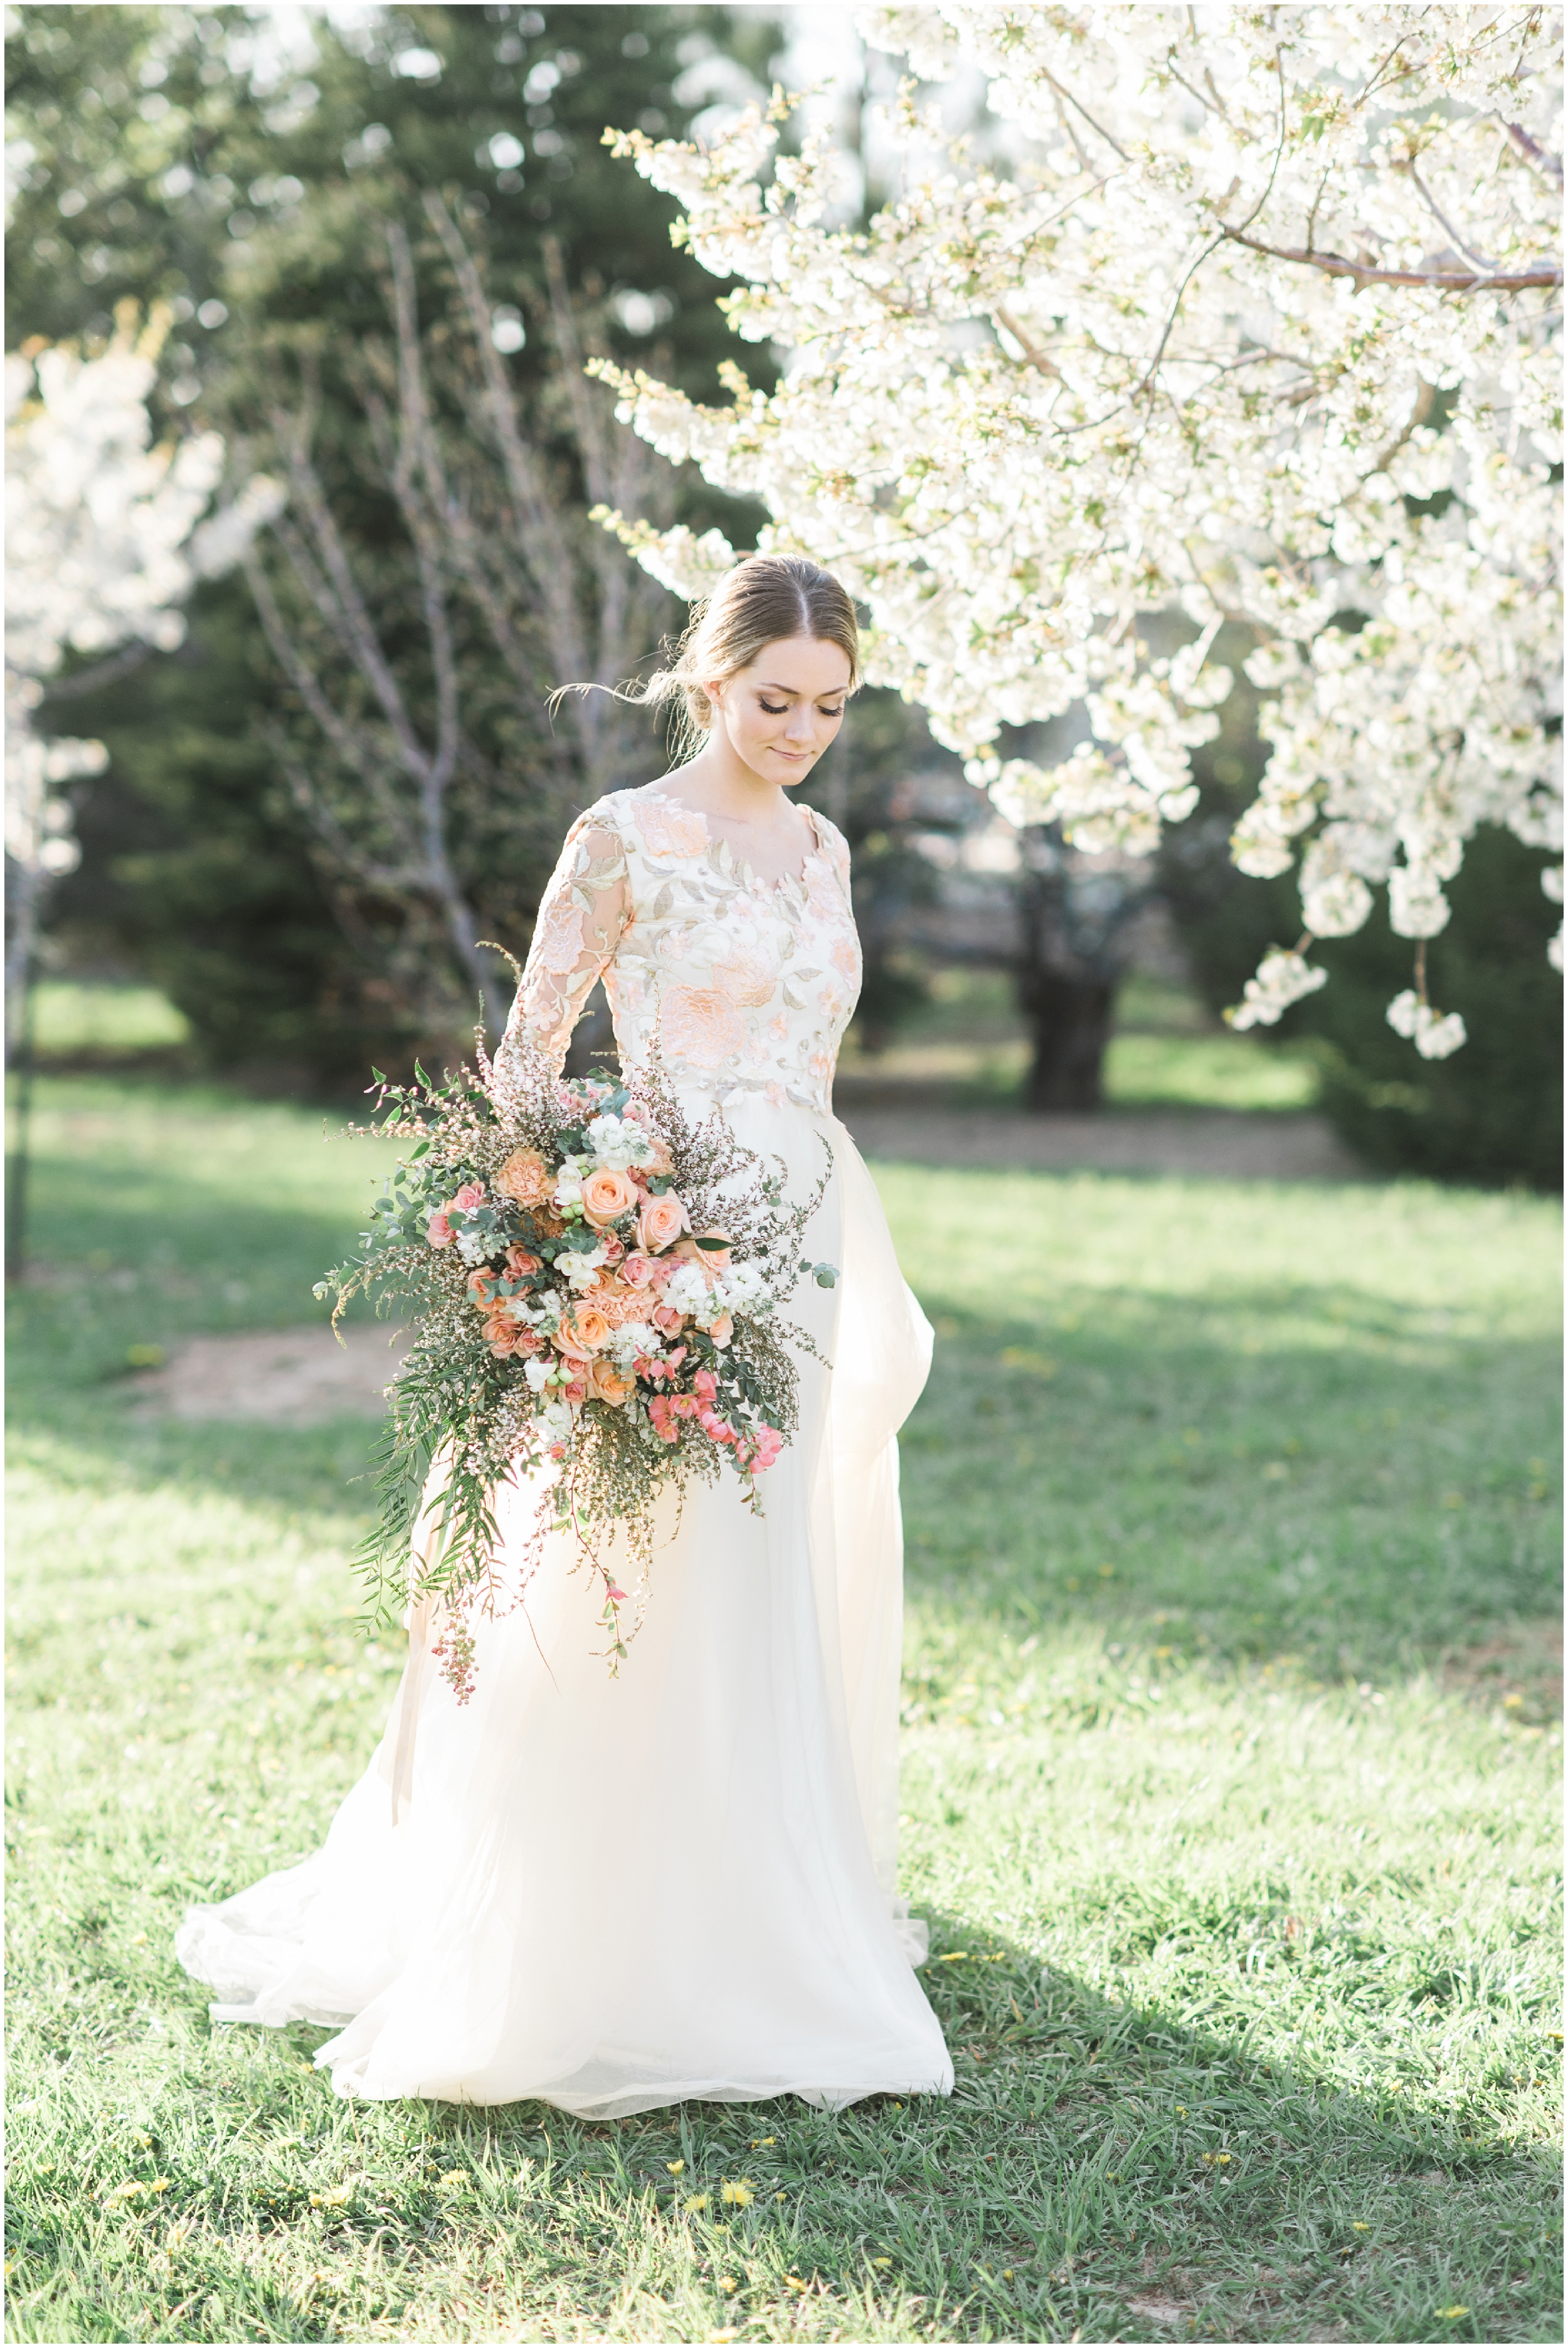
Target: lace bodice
{"x": 747, "y": 985}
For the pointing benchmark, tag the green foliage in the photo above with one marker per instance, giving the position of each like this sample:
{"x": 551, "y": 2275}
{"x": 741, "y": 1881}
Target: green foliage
{"x": 1241, "y": 1856}
{"x": 169, "y": 161}
{"x": 1493, "y": 1112}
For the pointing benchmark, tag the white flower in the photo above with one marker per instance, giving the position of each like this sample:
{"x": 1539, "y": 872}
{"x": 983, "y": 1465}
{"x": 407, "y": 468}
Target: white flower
{"x": 687, "y": 1289}
{"x": 1017, "y": 414}
{"x": 1282, "y": 979}
{"x": 1434, "y": 1037}
{"x": 582, "y": 1269}
{"x": 537, "y": 1371}
{"x": 617, "y": 1142}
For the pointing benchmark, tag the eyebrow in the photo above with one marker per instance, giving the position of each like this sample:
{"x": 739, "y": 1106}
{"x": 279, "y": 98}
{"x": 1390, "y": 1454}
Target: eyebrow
{"x": 793, "y": 691}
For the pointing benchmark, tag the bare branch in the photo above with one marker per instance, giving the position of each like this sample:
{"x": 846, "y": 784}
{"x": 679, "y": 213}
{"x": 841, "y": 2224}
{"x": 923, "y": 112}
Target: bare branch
{"x": 1442, "y": 281}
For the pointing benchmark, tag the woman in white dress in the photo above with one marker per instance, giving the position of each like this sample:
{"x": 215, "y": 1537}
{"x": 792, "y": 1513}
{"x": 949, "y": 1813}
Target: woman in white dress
{"x": 680, "y": 1882}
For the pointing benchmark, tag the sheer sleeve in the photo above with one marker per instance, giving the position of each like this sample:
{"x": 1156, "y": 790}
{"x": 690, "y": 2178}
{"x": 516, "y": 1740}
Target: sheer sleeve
{"x": 581, "y": 916}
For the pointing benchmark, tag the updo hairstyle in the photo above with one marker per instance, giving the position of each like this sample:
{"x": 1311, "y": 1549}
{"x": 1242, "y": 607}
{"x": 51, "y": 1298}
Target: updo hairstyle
{"x": 764, "y": 599}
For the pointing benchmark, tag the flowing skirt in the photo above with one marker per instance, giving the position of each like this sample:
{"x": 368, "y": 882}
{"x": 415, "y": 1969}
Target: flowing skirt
{"x": 616, "y": 1893}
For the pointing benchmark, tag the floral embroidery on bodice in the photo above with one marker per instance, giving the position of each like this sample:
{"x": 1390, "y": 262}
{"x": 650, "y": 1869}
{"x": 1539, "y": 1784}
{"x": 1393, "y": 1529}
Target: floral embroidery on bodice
{"x": 747, "y": 985}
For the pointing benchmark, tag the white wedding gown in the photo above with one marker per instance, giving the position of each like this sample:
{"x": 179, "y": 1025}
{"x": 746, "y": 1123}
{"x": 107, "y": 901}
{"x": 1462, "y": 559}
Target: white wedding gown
{"x": 616, "y": 1893}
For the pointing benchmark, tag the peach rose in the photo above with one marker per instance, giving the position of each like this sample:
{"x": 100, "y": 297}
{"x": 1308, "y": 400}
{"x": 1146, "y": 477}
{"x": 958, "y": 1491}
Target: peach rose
{"x": 520, "y": 1263}
{"x": 607, "y": 1384}
{"x": 470, "y": 1196}
{"x": 661, "y": 1223}
{"x": 438, "y": 1230}
{"x": 637, "y": 1271}
{"x": 606, "y": 1195}
{"x": 666, "y": 1317}
{"x": 525, "y": 1178}
{"x": 723, "y": 1329}
{"x": 583, "y": 1330}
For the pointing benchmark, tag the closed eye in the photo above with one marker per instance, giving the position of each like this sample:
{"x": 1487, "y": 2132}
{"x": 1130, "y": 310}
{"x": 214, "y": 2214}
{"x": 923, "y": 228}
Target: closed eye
{"x": 777, "y": 709}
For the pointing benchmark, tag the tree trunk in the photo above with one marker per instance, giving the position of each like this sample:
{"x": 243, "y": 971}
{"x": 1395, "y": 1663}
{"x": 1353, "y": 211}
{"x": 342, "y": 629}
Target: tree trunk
{"x": 1072, "y": 1019}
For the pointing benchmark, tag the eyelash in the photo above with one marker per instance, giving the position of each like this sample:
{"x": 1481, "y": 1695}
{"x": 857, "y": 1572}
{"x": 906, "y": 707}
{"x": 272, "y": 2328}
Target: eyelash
{"x": 783, "y": 706}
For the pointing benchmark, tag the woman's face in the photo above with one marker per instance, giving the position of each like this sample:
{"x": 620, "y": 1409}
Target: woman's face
{"x": 780, "y": 715}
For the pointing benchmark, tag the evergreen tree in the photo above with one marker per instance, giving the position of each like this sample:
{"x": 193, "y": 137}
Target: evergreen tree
{"x": 174, "y": 158}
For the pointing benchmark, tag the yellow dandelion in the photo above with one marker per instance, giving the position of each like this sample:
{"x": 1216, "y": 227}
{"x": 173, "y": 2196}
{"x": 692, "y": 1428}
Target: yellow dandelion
{"x": 737, "y": 2192}
{"x": 881, "y": 2262}
{"x": 337, "y": 2198}
{"x": 1452, "y": 2314}
{"x": 451, "y": 2180}
{"x": 794, "y": 2282}
{"x": 1006, "y": 2274}
{"x": 955, "y": 1957}
{"x": 1359, "y": 2226}
{"x": 727, "y": 2282}
{"x": 694, "y": 2202}
{"x": 717, "y": 2336}
{"x": 758, "y": 2142}
{"x": 676, "y": 2168}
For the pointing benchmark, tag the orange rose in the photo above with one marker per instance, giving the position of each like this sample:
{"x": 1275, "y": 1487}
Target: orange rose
{"x": 606, "y": 1195}
{"x": 661, "y": 1223}
{"x": 583, "y": 1330}
{"x": 526, "y": 1179}
{"x": 607, "y": 1384}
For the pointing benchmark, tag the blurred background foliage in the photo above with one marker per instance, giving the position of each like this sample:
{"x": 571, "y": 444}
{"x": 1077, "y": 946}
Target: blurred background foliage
{"x": 190, "y": 156}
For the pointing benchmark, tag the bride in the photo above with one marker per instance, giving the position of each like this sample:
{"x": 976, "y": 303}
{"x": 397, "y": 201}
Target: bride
{"x": 616, "y": 1893}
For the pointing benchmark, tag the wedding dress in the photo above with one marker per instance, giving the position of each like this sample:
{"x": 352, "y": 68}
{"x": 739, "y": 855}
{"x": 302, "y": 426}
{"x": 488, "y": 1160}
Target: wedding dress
{"x": 680, "y": 1882}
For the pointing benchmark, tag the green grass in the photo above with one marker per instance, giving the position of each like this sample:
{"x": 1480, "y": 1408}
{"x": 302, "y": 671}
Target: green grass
{"x": 75, "y": 1015}
{"x": 1229, "y": 1778}
{"x": 969, "y": 1040}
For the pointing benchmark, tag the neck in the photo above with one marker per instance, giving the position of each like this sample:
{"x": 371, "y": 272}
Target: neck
{"x": 722, "y": 783}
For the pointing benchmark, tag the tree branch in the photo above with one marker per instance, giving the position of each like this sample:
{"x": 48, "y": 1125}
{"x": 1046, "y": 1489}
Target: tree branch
{"x": 1443, "y": 281}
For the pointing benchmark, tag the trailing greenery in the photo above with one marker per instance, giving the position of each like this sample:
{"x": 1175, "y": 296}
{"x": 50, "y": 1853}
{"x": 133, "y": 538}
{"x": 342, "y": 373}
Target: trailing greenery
{"x": 1230, "y": 1767}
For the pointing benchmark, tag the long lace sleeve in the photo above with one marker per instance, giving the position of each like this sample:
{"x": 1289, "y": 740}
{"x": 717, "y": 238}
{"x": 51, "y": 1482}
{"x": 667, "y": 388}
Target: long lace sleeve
{"x": 580, "y": 918}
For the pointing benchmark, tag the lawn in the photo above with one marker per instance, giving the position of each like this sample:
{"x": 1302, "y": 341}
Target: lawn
{"x": 1230, "y": 1767}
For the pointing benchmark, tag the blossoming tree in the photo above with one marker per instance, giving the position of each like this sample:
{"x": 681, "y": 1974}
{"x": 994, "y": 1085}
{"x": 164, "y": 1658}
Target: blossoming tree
{"x": 106, "y": 535}
{"x": 1264, "y": 327}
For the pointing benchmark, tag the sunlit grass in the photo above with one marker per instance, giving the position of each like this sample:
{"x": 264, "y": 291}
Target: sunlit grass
{"x": 1229, "y": 1768}
{"x": 73, "y": 1016}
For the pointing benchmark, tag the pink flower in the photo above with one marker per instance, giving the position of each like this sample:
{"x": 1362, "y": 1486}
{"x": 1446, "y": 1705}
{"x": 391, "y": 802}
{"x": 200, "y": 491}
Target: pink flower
{"x": 759, "y": 1448}
{"x": 438, "y": 1230}
{"x": 667, "y": 1317}
{"x": 661, "y": 1418}
{"x": 637, "y": 1271}
{"x": 470, "y": 1196}
{"x": 616, "y": 1595}
{"x": 706, "y": 1387}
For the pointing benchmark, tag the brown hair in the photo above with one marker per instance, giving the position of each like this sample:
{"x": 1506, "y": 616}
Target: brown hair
{"x": 765, "y": 598}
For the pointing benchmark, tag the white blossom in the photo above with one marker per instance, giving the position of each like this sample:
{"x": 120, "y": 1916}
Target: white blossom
{"x": 1264, "y": 328}
{"x": 1433, "y": 1035}
{"x": 1283, "y": 978}
{"x": 105, "y": 537}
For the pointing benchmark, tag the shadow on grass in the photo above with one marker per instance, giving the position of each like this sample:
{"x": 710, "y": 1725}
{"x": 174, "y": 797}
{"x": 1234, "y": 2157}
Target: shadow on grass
{"x": 1363, "y": 1495}
{"x": 1101, "y": 2171}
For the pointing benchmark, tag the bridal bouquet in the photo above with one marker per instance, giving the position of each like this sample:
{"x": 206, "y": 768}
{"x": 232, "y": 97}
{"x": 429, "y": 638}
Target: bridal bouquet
{"x": 601, "y": 1283}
